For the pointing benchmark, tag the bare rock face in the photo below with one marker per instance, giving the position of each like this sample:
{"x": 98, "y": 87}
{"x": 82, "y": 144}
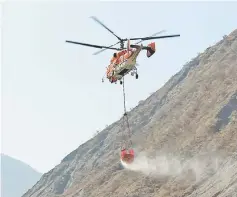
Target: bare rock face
{"x": 185, "y": 140}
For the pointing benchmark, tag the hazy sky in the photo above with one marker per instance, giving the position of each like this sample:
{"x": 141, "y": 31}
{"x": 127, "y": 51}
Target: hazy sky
{"x": 52, "y": 95}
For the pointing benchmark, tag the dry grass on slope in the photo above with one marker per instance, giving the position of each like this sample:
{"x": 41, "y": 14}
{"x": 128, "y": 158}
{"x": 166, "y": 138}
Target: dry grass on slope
{"x": 189, "y": 132}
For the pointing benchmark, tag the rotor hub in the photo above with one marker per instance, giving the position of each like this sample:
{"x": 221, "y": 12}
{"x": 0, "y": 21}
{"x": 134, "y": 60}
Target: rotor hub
{"x": 122, "y": 44}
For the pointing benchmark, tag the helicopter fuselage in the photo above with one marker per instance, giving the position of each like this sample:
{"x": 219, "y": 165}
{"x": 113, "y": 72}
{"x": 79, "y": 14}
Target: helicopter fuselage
{"x": 125, "y": 64}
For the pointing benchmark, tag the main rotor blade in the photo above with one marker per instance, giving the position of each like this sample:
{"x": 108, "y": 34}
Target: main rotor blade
{"x": 98, "y": 21}
{"x": 92, "y": 45}
{"x": 104, "y": 49}
{"x": 152, "y": 35}
{"x": 157, "y": 37}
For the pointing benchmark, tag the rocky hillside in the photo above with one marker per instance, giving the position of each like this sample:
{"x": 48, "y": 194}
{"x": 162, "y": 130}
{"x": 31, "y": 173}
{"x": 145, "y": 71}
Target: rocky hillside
{"x": 185, "y": 137}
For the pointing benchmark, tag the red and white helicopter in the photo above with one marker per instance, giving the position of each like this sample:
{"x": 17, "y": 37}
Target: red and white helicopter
{"x": 124, "y": 61}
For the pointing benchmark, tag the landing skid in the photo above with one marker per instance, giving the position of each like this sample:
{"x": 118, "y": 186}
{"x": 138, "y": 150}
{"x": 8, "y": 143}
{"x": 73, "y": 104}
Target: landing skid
{"x": 124, "y": 72}
{"x": 132, "y": 73}
{"x": 136, "y": 75}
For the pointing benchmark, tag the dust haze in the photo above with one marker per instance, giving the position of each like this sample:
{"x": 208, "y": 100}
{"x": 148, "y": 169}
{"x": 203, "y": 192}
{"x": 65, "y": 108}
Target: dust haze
{"x": 163, "y": 165}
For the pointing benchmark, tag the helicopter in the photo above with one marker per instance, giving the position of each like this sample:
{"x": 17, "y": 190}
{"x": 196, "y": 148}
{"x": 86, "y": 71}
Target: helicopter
{"x": 124, "y": 61}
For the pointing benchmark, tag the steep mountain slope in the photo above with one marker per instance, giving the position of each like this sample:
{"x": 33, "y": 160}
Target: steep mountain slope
{"x": 16, "y": 177}
{"x": 184, "y": 136}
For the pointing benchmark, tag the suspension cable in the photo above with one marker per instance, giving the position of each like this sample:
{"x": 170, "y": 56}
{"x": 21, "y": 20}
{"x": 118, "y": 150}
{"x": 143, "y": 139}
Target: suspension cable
{"x": 125, "y": 117}
{"x": 124, "y": 99}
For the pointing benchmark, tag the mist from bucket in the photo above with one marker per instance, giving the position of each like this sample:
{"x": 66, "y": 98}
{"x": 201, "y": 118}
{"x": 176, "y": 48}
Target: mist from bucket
{"x": 159, "y": 165}
{"x": 162, "y": 165}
